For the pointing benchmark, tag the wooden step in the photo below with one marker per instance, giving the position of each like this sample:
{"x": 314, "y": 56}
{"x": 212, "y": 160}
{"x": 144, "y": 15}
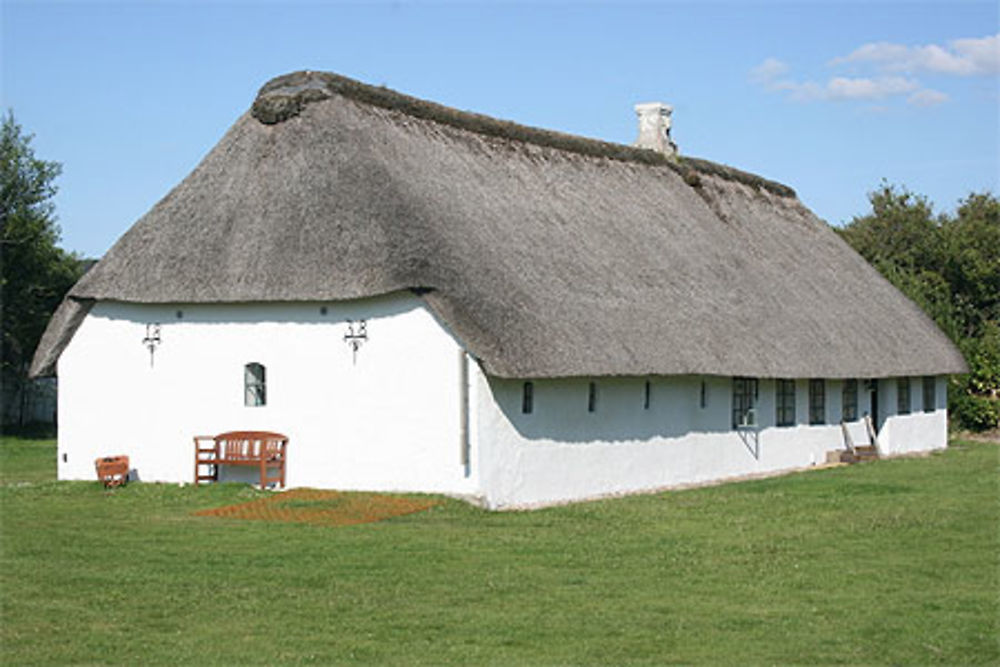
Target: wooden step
{"x": 840, "y": 456}
{"x": 866, "y": 452}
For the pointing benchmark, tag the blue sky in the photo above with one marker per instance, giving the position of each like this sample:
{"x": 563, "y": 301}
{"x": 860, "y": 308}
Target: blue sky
{"x": 829, "y": 98}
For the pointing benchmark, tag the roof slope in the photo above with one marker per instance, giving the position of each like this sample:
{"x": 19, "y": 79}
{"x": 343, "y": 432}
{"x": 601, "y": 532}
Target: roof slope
{"x": 547, "y": 255}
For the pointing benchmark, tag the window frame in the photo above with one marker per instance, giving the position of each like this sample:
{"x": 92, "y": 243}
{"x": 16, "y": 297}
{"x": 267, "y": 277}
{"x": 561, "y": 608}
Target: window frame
{"x": 930, "y": 391}
{"x": 784, "y": 402}
{"x": 849, "y": 408}
{"x": 254, "y": 385}
{"x": 746, "y": 392}
{"x": 817, "y": 402}
{"x": 903, "y": 407}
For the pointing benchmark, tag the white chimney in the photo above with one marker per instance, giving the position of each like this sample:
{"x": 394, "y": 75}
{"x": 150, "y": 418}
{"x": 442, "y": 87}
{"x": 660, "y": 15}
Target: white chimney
{"x": 654, "y": 127}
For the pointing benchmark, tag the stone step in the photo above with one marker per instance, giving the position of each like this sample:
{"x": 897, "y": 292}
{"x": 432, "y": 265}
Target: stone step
{"x": 866, "y": 452}
{"x": 861, "y": 453}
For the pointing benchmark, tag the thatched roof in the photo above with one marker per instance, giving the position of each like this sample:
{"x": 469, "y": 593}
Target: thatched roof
{"x": 547, "y": 255}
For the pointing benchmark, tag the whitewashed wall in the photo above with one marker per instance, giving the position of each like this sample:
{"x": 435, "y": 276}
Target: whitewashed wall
{"x": 562, "y": 452}
{"x": 920, "y": 430}
{"x": 392, "y": 419}
{"x": 389, "y": 421}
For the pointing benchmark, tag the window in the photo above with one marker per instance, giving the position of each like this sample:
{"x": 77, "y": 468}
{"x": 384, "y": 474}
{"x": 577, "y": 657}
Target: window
{"x": 592, "y": 397}
{"x": 645, "y": 399}
{"x": 785, "y": 403}
{"x": 903, "y": 396}
{"x": 817, "y": 402}
{"x": 703, "y": 401}
{"x": 744, "y": 402}
{"x": 849, "y": 401}
{"x": 930, "y": 393}
{"x": 254, "y": 385}
{"x": 528, "y": 398}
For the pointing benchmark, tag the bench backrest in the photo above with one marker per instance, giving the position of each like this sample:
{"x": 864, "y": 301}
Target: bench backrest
{"x": 251, "y": 445}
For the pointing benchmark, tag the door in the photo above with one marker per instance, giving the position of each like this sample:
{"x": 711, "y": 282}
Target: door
{"x": 874, "y": 390}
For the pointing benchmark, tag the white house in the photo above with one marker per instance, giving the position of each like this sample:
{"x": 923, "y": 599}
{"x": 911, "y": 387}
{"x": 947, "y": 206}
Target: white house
{"x": 424, "y": 299}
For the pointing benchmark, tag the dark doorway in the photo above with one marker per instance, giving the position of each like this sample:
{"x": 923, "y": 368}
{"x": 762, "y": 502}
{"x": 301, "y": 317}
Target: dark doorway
{"x": 873, "y": 384}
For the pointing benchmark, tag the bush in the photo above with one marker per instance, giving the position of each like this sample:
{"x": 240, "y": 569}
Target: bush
{"x": 983, "y": 356}
{"x": 976, "y": 413}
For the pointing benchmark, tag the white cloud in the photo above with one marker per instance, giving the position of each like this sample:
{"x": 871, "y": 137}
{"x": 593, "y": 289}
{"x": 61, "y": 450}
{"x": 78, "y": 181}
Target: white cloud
{"x": 804, "y": 91}
{"x": 769, "y": 75}
{"x": 927, "y": 98}
{"x": 891, "y": 72}
{"x": 983, "y": 54}
{"x": 768, "y": 72}
{"x": 962, "y": 57}
{"x": 843, "y": 88}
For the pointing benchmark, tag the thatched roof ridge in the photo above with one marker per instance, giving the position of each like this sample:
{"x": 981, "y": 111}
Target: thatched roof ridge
{"x": 285, "y": 96}
{"x": 543, "y": 260}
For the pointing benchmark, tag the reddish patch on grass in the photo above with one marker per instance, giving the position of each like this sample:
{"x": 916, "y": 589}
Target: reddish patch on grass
{"x": 326, "y": 508}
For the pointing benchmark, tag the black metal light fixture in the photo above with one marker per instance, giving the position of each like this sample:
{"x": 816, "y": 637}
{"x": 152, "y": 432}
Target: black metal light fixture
{"x": 152, "y": 339}
{"x": 356, "y": 338}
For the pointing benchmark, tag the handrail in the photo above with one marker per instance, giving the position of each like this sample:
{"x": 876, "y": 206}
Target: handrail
{"x": 872, "y": 435}
{"x": 848, "y": 440}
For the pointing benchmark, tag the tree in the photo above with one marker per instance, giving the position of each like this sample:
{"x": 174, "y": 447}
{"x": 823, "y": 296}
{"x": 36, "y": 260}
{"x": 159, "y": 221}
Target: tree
{"x": 971, "y": 262}
{"x": 901, "y": 231}
{"x": 34, "y": 273}
{"x": 950, "y": 266}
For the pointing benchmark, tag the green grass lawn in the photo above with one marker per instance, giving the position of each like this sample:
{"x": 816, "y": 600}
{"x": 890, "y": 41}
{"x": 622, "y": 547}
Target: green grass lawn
{"x": 891, "y": 562}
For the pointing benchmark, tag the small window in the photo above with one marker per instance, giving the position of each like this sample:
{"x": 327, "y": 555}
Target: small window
{"x": 528, "y": 398}
{"x": 849, "y": 400}
{"x": 744, "y": 402}
{"x": 785, "y": 403}
{"x": 592, "y": 397}
{"x": 817, "y": 402}
{"x": 903, "y": 396}
{"x": 645, "y": 397}
{"x": 930, "y": 393}
{"x": 254, "y": 385}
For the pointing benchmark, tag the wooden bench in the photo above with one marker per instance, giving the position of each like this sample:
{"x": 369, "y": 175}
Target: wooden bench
{"x": 262, "y": 449}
